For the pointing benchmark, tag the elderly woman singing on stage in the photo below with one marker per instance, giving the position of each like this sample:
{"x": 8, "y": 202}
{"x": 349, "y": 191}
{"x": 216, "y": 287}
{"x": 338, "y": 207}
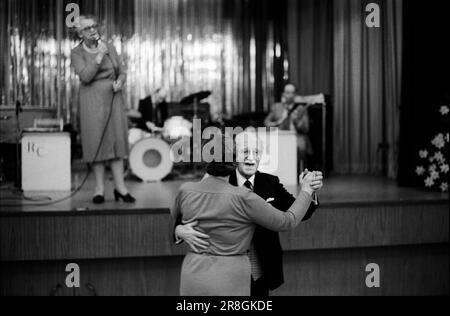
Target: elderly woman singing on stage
{"x": 103, "y": 120}
{"x": 228, "y": 214}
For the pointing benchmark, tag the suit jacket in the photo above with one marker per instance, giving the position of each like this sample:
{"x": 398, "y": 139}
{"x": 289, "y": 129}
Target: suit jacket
{"x": 267, "y": 242}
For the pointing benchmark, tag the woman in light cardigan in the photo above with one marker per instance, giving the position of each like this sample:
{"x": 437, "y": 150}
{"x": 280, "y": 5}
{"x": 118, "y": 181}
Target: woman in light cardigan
{"x": 103, "y": 122}
{"x": 228, "y": 214}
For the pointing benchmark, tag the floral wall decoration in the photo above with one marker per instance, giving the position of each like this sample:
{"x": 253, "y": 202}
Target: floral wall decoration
{"x": 434, "y": 159}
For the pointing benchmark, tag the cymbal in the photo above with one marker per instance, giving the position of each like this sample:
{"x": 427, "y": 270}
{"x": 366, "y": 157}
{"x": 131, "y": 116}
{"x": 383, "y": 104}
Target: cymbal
{"x": 196, "y": 96}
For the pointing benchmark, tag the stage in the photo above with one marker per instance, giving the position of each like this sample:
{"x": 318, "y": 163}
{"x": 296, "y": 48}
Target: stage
{"x": 157, "y": 197}
{"x": 127, "y": 249}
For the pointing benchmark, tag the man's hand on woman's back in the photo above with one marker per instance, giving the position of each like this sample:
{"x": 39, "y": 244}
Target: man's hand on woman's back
{"x": 197, "y": 240}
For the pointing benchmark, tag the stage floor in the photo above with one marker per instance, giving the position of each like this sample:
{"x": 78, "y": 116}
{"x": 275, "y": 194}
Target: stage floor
{"x": 158, "y": 197}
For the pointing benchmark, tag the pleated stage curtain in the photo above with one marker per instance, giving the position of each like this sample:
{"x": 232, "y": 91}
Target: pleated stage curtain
{"x": 310, "y": 45}
{"x": 4, "y": 71}
{"x": 332, "y": 51}
{"x": 28, "y": 54}
{"x": 240, "y": 50}
{"x": 193, "y": 45}
{"x": 366, "y": 88}
{"x": 36, "y": 46}
{"x": 230, "y": 47}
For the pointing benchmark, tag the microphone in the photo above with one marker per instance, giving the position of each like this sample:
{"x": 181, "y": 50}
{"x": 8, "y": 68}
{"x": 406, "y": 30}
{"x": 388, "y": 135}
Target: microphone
{"x": 98, "y": 39}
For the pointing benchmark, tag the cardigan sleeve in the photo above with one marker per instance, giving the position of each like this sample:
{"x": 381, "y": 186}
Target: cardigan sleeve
{"x": 262, "y": 213}
{"x": 86, "y": 69}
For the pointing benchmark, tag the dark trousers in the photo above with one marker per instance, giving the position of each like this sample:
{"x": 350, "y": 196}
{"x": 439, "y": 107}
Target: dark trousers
{"x": 259, "y": 288}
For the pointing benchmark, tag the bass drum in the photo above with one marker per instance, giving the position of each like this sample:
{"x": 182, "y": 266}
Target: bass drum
{"x": 150, "y": 159}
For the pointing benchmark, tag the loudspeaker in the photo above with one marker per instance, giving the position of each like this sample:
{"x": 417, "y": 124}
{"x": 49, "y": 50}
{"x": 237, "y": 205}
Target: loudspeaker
{"x": 10, "y": 163}
{"x": 320, "y": 134}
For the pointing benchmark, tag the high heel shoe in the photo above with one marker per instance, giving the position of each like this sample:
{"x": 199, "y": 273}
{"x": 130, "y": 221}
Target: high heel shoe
{"x": 98, "y": 199}
{"x": 126, "y": 198}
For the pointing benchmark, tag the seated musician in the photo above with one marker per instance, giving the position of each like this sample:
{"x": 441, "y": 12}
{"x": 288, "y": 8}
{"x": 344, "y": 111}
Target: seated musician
{"x": 290, "y": 116}
{"x": 153, "y": 115}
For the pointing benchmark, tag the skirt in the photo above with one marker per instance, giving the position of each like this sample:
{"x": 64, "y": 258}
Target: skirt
{"x": 209, "y": 275}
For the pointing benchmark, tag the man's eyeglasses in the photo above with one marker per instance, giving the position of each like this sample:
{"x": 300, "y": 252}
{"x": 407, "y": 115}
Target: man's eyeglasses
{"x": 246, "y": 153}
{"x": 92, "y": 27}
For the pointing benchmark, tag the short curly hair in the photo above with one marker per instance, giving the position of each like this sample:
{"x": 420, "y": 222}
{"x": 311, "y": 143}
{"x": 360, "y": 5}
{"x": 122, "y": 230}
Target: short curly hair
{"x": 85, "y": 17}
{"x": 224, "y": 165}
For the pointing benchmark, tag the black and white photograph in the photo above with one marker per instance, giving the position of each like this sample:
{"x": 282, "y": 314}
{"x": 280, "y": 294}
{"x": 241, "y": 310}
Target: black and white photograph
{"x": 224, "y": 153}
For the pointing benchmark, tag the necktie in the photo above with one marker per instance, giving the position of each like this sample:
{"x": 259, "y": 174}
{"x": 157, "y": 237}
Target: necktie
{"x": 248, "y": 184}
{"x": 256, "y": 267}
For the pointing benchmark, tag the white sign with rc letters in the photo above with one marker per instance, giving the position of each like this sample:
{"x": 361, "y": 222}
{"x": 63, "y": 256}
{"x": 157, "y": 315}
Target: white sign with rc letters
{"x": 46, "y": 162}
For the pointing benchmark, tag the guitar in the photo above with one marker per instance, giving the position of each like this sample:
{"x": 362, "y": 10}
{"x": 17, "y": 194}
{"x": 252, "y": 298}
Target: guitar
{"x": 287, "y": 115}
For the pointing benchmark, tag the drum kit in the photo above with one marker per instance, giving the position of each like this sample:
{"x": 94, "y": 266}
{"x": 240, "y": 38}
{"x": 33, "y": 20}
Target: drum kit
{"x": 150, "y": 155}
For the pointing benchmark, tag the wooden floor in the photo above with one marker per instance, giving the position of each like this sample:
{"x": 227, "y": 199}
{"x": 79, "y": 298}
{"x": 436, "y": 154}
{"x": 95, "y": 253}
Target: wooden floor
{"x": 127, "y": 249}
{"x": 158, "y": 197}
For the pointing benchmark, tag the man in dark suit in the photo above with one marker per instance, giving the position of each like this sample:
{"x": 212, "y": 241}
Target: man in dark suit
{"x": 265, "y": 253}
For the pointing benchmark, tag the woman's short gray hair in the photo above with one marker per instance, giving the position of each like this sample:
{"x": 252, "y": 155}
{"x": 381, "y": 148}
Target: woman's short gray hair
{"x": 84, "y": 17}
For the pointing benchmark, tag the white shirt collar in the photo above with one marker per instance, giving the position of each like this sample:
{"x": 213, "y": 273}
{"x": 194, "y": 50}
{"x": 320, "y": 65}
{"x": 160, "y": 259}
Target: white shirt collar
{"x": 241, "y": 179}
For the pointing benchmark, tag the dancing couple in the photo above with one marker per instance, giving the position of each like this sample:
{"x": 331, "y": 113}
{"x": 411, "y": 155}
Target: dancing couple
{"x": 230, "y": 220}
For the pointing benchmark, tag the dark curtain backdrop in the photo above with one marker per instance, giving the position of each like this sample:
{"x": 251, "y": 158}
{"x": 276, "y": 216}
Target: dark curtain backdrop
{"x": 366, "y": 92}
{"x": 310, "y": 45}
{"x": 332, "y": 51}
{"x": 426, "y": 84}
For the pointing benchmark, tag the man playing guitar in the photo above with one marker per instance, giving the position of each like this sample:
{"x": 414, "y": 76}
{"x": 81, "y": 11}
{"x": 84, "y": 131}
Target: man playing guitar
{"x": 290, "y": 115}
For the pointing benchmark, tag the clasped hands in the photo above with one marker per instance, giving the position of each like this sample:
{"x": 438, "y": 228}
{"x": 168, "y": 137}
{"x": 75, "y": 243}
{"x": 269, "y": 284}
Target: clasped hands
{"x": 311, "y": 181}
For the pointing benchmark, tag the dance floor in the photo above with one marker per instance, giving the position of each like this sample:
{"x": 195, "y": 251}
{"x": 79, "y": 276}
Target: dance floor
{"x": 158, "y": 197}
{"x": 127, "y": 249}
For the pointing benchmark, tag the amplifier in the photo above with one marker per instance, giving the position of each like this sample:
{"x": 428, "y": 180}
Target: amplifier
{"x": 46, "y": 162}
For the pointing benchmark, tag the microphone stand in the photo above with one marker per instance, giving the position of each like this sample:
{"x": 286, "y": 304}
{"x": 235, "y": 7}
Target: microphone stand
{"x": 18, "y": 180}
{"x": 2, "y": 159}
{"x": 193, "y": 120}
